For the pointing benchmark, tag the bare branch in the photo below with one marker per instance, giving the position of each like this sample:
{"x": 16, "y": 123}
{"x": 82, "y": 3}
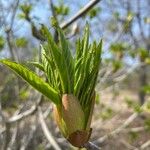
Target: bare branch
{"x": 118, "y": 130}
{"x": 26, "y": 113}
{"x": 91, "y": 146}
{"x": 80, "y": 13}
{"x": 144, "y": 146}
{"x": 46, "y": 132}
{"x": 64, "y": 25}
{"x": 121, "y": 128}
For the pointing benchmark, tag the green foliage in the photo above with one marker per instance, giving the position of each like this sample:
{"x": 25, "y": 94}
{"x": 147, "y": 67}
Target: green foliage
{"x": 25, "y": 11}
{"x": 94, "y": 12}
{"x": 62, "y": 60}
{"x": 146, "y": 89}
{"x": 128, "y": 21}
{"x": 147, "y": 124}
{"x": 33, "y": 80}
{"x": 2, "y": 42}
{"x": 37, "y": 65}
{"x": 118, "y": 47}
{"x": 26, "y": 8}
{"x": 61, "y": 10}
{"x": 147, "y": 20}
{"x": 134, "y": 105}
{"x": 107, "y": 113}
{"x": 21, "y": 42}
{"x": 65, "y": 73}
{"x": 143, "y": 54}
{"x": 133, "y": 136}
{"x": 130, "y": 16}
{"x": 116, "y": 64}
{"x": 24, "y": 94}
{"x": 97, "y": 98}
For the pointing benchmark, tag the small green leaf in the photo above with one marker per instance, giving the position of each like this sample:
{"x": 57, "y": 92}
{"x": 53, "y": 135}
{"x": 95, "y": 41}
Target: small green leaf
{"x": 35, "y": 81}
{"x": 2, "y": 42}
{"x": 59, "y": 61}
{"x": 21, "y": 42}
{"x": 37, "y": 65}
{"x": 26, "y": 8}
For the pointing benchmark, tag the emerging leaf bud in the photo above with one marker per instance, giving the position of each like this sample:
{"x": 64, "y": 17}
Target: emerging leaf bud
{"x": 70, "y": 119}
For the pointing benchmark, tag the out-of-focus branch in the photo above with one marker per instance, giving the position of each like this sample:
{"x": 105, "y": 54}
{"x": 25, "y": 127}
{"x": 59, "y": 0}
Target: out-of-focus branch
{"x": 55, "y": 16}
{"x": 139, "y": 19}
{"x": 7, "y": 129}
{"x": 144, "y": 146}
{"x": 14, "y": 13}
{"x": 135, "y": 41}
{"x": 80, "y": 13}
{"x": 36, "y": 33}
{"x": 91, "y": 146}
{"x": 118, "y": 130}
{"x": 46, "y": 132}
{"x": 27, "y": 138}
{"x": 26, "y": 113}
{"x": 8, "y": 31}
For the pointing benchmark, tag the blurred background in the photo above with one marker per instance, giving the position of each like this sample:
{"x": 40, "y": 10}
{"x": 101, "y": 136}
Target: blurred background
{"x": 121, "y": 116}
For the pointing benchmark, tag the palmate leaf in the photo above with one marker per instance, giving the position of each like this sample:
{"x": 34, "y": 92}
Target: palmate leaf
{"x": 35, "y": 81}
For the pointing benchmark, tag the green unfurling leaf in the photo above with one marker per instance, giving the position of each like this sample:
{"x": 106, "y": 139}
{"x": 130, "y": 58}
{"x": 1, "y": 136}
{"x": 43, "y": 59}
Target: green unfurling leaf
{"x": 35, "y": 81}
{"x": 59, "y": 60}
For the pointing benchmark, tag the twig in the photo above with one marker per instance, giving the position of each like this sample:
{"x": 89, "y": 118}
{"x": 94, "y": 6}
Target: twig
{"x": 80, "y": 13}
{"x": 7, "y": 129}
{"x": 14, "y": 14}
{"x": 46, "y": 132}
{"x": 26, "y": 113}
{"x": 137, "y": 129}
{"x": 145, "y": 145}
{"x": 91, "y": 146}
{"x": 13, "y": 139}
{"x": 8, "y": 31}
{"x": 55, "y": 16}
{"x": 121, "y": 128}
{"x": 28, "y": 138}
{"x": 118, "y": 130}
{"x": 127, "y": 145}
{"x": 36, "y": 33}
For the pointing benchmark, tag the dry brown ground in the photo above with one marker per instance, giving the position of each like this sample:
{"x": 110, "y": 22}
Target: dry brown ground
{"x": 133, "y": 137}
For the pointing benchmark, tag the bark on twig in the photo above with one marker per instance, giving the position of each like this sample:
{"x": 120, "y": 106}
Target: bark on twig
{"x": 118, "y": 130}
{"x": 80, "y": 13}
{"x": 91, "y": 146}
{"x": 46, "y": 131}
{"x": 36, "y": 33}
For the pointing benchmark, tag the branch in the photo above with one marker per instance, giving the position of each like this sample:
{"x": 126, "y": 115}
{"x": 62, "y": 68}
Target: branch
{"x": 55, "y": 16}
{"x": 9, "y": 35}
{"x": 27, "y": 138}
{"x": 91, "y": 146}
{"x": 144, "y": 146}
{"x": 121, "y": 128}
{"x": 26, "y": 113}
{"x": 80, "y": 13}
{"x": 36, "y": 33}
{"x": 46, "y": 132}
{"x": 7, "y": 128}
{"x": 118, "y": 130}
